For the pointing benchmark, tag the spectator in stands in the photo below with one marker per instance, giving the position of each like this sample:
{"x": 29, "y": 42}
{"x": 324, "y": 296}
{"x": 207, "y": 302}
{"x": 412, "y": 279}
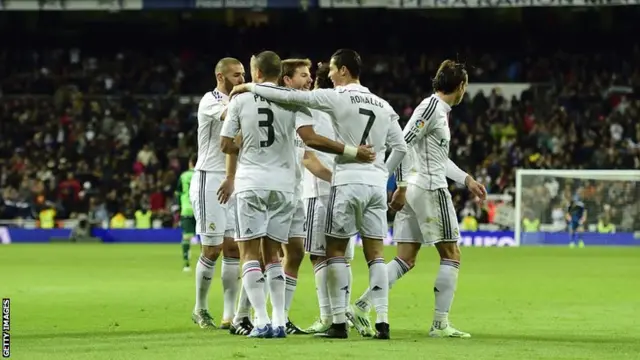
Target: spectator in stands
{"x": 62, "y": 139}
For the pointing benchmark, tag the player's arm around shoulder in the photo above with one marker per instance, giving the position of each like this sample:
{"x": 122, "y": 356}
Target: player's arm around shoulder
{"x": 319, "y": 99}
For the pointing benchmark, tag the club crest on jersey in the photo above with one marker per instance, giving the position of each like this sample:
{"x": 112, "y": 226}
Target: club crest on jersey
{"x": 420, "y": 124}
{"x": 212, "y": 227}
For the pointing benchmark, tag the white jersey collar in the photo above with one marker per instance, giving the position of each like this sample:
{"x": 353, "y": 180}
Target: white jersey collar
{"x": 444, "y": 104}
{"x": 356, "y": 87}
{"x": 220, "y": 95}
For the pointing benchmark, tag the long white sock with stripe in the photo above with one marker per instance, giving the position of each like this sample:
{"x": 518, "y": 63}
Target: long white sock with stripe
{"x": 322, "y": 291}
{"x": 379, "y": 285}
{"x": 289, "y": 291}
{"x": 444, "y": 290}
{"x": 230, "y": 275}
{"x": 396, "y": 269}
{"x": 276, "y": 283}
{"x": 253, "y": 282}
{"x": 204, "y": 274}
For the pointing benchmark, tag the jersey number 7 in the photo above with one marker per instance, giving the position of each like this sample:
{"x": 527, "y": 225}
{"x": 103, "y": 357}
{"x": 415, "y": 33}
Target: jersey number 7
{"x": 372, "y": 118}
{"x": 268, "y": 123}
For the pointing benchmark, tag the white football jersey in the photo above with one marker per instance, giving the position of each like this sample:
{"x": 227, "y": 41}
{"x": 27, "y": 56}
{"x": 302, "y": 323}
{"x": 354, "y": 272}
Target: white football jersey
{"x": 312, "y": 186}
{"x": 268, "y": 156}
{"x": 359, "y": 117}
{"x": 210, "y": 110}
{"x": 427, "y": 132}
{"x": 300, "y": 149}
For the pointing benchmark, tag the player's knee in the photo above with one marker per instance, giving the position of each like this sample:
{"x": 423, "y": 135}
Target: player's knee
{"x": 230, "y": 248}
{"x": 408, "y": 253}
{"x": 294, "y": 258}
{"x": 315, "y": 259}
{"x": 294, "y": 252}
{"x": 211, "y": 252}
{"x": 448, "y": 250}
{"x": 373, "y": 249}
{"x": 336, "y": 247}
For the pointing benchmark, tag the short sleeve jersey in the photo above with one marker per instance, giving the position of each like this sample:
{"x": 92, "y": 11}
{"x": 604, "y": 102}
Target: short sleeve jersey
{"x": 268, "y": 157}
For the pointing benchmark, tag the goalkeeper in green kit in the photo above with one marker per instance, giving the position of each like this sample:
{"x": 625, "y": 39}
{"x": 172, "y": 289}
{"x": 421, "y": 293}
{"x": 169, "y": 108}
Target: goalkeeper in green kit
{"x": 187, "y": 220}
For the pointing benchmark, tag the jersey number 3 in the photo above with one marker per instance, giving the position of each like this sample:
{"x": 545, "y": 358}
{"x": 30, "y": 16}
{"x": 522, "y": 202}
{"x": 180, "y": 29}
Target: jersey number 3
{"x": 268, "y": 123}
{"x": 372, "y": 118}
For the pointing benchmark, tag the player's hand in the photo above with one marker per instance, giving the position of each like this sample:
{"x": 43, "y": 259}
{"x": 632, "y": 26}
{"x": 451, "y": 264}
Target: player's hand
{"x": 476, "y": 189}
{"x": 239, "y": 89}
{"x": 225, "y": 190}
{"x": 398, "y": 199}
{"x": 366, "y": 154}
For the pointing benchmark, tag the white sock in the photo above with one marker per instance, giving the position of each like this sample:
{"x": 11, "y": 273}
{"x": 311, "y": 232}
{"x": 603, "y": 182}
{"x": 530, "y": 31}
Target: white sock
{"x": 396, "y": 269}
{"x": 204, "y": 274}
{"x": 379, "y": 285}
{"x": 244, "y": 307}
{"x": 289, "y": 291}
{"x": 322, "y": 291}
{"x": 338, "y": 285}
{"x": 275, "y": 281}
{"x": 253, "y": 282}
{"x": 444, "y": 289}
{"x": 230, "y": 285}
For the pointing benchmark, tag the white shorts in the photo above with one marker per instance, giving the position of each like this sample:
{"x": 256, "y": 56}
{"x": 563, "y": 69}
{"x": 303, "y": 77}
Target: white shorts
{"x": 211, "y": 216}
{"x": 298, "y": 229}
{"x": 264, "y": 213}
{"x": 427, "y": 217}
{"x": 357, "y": 208}
{"x": 230, "y": 231}
{"x": 315, "y": 242}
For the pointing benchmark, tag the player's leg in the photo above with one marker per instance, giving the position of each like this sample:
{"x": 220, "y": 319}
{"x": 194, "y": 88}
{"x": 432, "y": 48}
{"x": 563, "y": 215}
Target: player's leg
{"x": 447, "y": 245}
{"x": 281, "y": 210}
{"x": 251, "y": 219}
{"x": 292, "y": 256}
{"x": 210, "y": 223}
{"x": 188, "y": 229}
{"x": 406, "y": 234}
{"x": 339, "y": 228}
{"x": 230, "y": 272}
{"x": 571, "y": 227}
{"x": 373, "y": 230}
{"x": 316, "y": 245}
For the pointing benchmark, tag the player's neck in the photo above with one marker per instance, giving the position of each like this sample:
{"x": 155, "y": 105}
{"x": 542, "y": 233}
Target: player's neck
{"x": 450, "y": 99}
{"x": 221, "y": 89}
{"x": 272, "y": 81}
{"x": 350, "y": 81}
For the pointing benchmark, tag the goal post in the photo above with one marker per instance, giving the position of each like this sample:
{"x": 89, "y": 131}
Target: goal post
{"x": 542, "y": 198}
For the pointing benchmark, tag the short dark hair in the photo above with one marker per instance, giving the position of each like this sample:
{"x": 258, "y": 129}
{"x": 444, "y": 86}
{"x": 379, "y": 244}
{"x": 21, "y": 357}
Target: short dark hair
{"x": 349, "y": 59}
{"x": 224, "y": 63}
{"x": 269, "y": 64}
{"x": 449, "y": 77}
{"x": 193, "y": 159}
{"x": 289, "y": 67}
{"x": 322, "y": 77}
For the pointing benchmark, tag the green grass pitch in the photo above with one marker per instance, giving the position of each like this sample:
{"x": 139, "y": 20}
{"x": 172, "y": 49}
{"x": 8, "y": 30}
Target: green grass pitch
{"x": 134, "y": 302}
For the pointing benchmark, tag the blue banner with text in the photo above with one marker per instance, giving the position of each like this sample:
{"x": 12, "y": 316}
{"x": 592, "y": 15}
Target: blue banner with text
{"x": 168, "y": 236}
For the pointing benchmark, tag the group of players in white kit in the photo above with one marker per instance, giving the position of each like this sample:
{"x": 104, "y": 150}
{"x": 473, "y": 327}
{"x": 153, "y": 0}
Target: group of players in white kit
{"x": 270, "y": 149}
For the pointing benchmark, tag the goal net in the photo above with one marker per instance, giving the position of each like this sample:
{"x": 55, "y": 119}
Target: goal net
{"x": 610, "y": 199}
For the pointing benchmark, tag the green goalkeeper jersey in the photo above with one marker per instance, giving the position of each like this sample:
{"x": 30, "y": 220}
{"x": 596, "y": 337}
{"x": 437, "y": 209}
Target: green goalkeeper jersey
{"x": 182, "y": 193}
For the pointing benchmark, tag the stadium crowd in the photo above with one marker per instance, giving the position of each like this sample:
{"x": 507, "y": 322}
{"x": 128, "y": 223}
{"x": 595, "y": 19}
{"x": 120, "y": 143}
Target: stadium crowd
{"x": 107, "y": 134}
